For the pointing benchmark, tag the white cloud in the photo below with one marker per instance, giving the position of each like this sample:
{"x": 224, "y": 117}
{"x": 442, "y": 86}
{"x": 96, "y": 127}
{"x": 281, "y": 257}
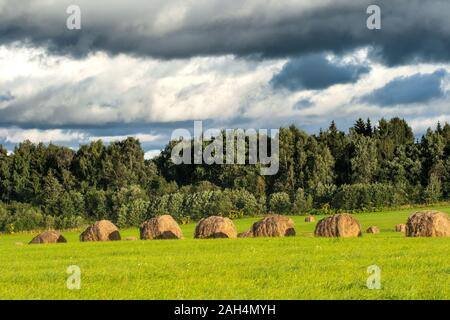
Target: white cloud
{"x": 16, "y": 135}
{"x": 102, "y": 89}
{"x": 142, "y": 138}
{"x": 98, "y": 90}
{"x": 151, "y": 154}
{"x": 422, "y": 124}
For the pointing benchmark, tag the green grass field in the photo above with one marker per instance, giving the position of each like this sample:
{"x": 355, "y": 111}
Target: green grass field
{"x": 301, "y": 267}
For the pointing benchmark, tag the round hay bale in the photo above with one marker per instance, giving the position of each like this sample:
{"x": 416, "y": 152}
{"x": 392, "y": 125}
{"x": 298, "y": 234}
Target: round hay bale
{"x": 274, "y": 226}
{"x": 48, "y": 237}
{"x": 339, "y": 225}
{"x": 162, "y": 227}
{"x": 130, "y": 238}
{"x": 215, "y": 227}
{"x": 400, "y": 227}
{"x": 103, "y": 230}
{"x": 310, "y": 219}
{"x": 246, "y": 234}
{"x": 428, "y": 224}
{"x": 373, "y": 229}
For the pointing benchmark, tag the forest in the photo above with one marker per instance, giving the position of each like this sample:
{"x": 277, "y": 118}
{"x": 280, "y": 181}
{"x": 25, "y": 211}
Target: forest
{"x": 370, "y": 167}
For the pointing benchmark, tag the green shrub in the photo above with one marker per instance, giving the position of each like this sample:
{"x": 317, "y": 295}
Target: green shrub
{"x": 302, "y": 203}
{"x": 362, "y": 196}
{"x": 130, "y": 206}
{"x": 244, "y": 201}
{"x": 24, "y": 217}
{"x": 185, "y": 207}
{"x": 69, "y": 222}
{"x": 96, "y": 204}
{"x": 4, "y": 215}
{"x": 280, "y": 203}
{"x": 218, "y": 204}
{"x": 174, "y": 205}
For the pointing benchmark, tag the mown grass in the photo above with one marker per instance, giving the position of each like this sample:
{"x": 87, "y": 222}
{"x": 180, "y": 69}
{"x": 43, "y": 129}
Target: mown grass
{"x": 301, "y": 267}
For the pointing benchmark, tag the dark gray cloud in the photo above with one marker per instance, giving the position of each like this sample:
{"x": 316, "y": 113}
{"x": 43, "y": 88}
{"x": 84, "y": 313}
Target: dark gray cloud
{"x": 316, "y": 72}
{"x": 406, "y": 90}
{"x": 177, "y": 29}
{"x": 303, "y": 104}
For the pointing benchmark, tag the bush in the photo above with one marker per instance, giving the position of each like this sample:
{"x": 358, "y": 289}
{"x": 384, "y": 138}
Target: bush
{"x": 71, "y": 204}
{"x": 4, "y": 215}
{"x": 185, "y": 207}
{"x": 69, "y": 222}
{"x": 130, "y": 206}
{"x": 196, "y": 205}
{"x": 24, "y": 217}
{"x": 218, "y": 204}
{"x": 96, "y": 204}
{"x": 433, "y": 191}
{"x": 302, "y": 203}
{"x": 280, "y": 203}
{"x": 362, "y": 196}
{"x": 245, "y": 202}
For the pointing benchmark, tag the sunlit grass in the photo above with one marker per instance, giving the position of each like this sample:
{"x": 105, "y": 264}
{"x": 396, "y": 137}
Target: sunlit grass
{"x": 301, "y": 267}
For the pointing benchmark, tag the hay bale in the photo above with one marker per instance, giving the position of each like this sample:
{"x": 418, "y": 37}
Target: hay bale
{"x": 215, "y": 227}
{"x": 50, "y": 236}
{"x": 246, "y": 234}
{"x": 400, "y": 227}
{"x": 162, "y": 227}
{"x": 373, "y": 229}
{"x": 428, "y": 224}
{"x": 103, "y": 230}
{"x": 274, "y": 226}
{"x": 310, "y": 219}
{"x": 130, "y": 238}
{"x": 339, "y": 225}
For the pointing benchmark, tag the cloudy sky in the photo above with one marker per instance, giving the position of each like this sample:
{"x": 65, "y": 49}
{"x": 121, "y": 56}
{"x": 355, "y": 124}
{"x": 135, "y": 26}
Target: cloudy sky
{"x": 144, "y": 68}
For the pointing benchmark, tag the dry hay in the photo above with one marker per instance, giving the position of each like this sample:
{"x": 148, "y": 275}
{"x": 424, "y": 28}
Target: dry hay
{"x": 215, "y": 227}
{"x": 340, "y": 225}
{"x": 428, "y": 224}
{"x": 373, "y": 229}
{"x": 103, "y": 230}
{"x": 400, "y": 227}
{"x": 274, "y": 226}
{"x": 246, "y": 234}
{"x": 162, "y": 227}
{"x": 50, "y": 236}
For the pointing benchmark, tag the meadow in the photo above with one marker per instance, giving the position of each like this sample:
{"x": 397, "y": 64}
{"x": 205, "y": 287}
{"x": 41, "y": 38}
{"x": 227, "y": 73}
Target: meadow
{"x": 301, "y": 267}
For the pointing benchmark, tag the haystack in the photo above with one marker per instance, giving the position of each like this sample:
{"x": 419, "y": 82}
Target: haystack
{"x": 246, "y": 234}
{"x": 162, "y": 227}
{"x": 103, "y": 230}
{"x": 310, "y": 219}
{"x": 48, "y": 237}
{"x": 373, "y": 229}
{"x": 274, "y": 226}
{"x": 215, "y": 227}
{"x": 400, "y": 227}
{"x": 340, "y": 225}
{"x": 428, "y": 224}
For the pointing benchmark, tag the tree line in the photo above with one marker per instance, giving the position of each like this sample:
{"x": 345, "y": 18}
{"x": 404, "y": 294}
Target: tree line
{"x": 366, "y": 168}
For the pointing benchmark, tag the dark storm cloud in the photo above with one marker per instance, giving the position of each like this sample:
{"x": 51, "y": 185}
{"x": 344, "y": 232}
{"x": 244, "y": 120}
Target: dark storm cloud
{"x": 316, "y": 72}
{"x": 175, "y": 29}
{"x": 406, "y": 90}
